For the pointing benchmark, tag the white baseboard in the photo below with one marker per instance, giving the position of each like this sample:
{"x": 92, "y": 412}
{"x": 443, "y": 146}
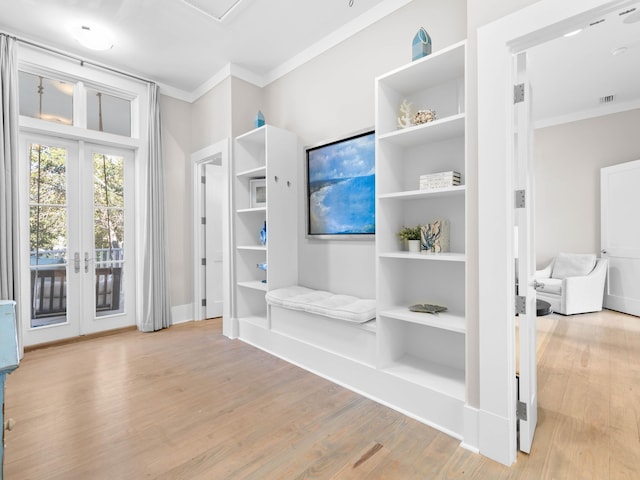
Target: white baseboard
{"x": 182, "y": 313}
{"x": 497, "y": 437}
{"x": 471, "y": 425}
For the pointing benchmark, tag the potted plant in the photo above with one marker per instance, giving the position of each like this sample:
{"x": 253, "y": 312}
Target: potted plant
{"x": 412, "y": 236}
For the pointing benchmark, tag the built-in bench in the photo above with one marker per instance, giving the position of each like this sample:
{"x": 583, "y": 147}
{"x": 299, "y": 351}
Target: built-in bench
{"x": 342, "y": 324}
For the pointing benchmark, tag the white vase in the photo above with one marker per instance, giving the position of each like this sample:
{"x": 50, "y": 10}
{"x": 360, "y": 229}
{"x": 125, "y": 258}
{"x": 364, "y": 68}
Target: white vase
{"x": 414, "y": 246}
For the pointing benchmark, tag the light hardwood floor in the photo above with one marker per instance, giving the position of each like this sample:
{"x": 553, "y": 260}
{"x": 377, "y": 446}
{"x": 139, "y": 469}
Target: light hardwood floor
{"x": 187, "y": 403}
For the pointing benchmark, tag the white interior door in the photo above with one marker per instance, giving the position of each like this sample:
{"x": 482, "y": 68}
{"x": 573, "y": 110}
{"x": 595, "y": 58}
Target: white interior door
{"x": 214, "y": 188}
{"x": 75, "y": 230}
{"x": 620, "y": 235}
{"x": 525, "y": 261}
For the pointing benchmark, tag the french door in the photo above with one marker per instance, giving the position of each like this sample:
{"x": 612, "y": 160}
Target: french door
{"x": 79, "y": 225}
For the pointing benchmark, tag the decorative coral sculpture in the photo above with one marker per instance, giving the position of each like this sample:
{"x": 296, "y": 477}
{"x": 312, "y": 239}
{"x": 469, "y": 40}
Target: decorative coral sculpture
{"x": 404, "y": 115}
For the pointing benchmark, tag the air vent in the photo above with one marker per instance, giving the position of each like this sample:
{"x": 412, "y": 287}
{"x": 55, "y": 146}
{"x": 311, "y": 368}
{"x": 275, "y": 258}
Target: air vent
{"x": 607, "y": 99}
{"x": 596, "y": 22}
{"x": 627, "y": 11}
{"x": 219, "y": 10}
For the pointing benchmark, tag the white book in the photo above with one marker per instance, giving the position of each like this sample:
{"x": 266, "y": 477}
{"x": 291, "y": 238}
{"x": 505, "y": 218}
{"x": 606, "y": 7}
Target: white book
{"x": 441, "y": 175}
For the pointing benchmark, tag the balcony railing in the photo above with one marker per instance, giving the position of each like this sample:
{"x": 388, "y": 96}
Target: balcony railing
{"x": 49, "y": 281}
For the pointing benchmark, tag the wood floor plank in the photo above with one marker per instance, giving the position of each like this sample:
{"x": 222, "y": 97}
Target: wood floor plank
{"x": 188, "y": 403}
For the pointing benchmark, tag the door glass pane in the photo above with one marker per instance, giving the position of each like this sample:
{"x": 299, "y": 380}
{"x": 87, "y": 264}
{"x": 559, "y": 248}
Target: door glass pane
{"x": 108, "y": 206}
{"x": 107, "y": 113}
{"x": 45, "y": 98}
{"x": 48, "y": 235}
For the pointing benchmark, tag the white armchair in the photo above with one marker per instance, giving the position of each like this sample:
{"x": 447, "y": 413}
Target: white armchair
{"x": 573, "y": 283}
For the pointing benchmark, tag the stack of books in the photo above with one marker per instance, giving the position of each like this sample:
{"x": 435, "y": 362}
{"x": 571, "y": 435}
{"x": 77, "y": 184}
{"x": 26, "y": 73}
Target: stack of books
{"x": 439, "y": 180}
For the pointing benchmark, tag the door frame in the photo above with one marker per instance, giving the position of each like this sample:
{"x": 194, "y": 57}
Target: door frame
{"x": 497, "y": 43}
{"x": 217, "y": 154}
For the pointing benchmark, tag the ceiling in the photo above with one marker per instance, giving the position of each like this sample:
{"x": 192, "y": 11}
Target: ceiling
{"x": 176, "y": 44}
{"x": 569, "y": 75}
{"x": 179, "y": 46}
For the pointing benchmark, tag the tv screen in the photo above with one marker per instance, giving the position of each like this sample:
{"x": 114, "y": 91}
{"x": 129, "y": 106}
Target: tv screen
{"x": 341, "y": 188}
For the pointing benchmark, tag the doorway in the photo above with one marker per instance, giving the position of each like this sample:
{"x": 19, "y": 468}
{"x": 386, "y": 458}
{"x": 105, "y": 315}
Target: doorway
{"x": 497, "y": 42}
{"x": 79, "y": 224}
{"x": 211, "y": 232}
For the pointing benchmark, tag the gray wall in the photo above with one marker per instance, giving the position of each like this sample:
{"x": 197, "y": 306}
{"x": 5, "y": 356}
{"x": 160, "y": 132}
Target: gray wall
{"x": 568, "y": 159}
{"x": 176, "y": 143}
{"x": 332, "y": 96}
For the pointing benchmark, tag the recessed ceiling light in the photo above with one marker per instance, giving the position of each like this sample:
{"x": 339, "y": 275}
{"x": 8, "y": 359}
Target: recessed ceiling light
{"x": 92, "y": 37}
{"x": 619, "y": 51}
{"x": 571, "y": 34}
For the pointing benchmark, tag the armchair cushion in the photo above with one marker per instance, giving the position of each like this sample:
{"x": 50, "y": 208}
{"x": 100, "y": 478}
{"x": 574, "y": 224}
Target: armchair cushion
{"x": 573, "y": 265}
{"x": 551, "y": 285}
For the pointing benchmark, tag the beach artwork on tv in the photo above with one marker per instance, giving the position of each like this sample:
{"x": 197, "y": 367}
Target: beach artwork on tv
{"x": 341, "y": 187}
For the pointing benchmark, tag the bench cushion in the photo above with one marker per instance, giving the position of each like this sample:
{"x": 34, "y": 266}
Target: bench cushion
{"x": 341, "y": 307}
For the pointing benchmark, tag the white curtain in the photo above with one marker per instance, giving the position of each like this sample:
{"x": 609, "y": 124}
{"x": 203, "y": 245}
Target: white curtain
{"x": 9, "y": 214}
{"x": 156, "y": 311}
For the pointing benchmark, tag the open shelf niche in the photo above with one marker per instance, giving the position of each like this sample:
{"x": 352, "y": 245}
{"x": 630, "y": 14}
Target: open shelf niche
{"x": 271, "y": 153}
{"x": 424, "y": 349}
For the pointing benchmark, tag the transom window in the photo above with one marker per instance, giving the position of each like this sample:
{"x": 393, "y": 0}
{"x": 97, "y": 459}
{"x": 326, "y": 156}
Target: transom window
{"x": 52, "y": 100}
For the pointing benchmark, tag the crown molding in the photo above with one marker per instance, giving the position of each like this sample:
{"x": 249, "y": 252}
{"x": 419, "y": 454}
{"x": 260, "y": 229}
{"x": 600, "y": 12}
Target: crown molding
{"x": 343, "y": 33}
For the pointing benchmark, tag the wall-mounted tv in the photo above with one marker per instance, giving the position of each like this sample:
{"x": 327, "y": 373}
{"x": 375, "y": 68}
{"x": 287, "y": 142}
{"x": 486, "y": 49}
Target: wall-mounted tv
{"x": 341, "y": 188}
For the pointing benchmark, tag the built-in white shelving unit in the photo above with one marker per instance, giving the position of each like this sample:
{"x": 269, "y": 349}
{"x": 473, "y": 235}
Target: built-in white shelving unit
{"x": 270, "y": 153}
{"x": 414, "y": 362}
{"x": 427, "y": 350}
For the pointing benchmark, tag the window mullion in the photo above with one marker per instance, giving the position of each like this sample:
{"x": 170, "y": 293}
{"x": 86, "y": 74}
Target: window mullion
{"x": 80, "y": 105}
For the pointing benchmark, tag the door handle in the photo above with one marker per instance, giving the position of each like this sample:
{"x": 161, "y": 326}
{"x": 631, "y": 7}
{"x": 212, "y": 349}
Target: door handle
{"x": 536, "y": 285}
{"x": 86, "y": 262}
{"x": 76, "y": 262}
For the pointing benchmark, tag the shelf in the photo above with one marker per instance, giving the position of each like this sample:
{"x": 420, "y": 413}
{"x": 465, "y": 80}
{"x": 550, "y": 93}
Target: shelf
{"x": 256, "y": 136}
{"x": 433, "y": 257}
{"x": 436, "y": 377}
{"x": 254, "y": 285}
{"x": 442, "y": 129}
{"x": 255, "y": 248}
{"x": 424, "y": 193}
{"x": 254, "y": 172}
{"x": 252, "y": 210}
{"x": 443, "y": 320}
{"x": 427, "y": 72}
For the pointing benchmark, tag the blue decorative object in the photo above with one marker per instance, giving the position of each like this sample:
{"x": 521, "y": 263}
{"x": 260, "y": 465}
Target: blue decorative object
{"x": 263, "y": 234}
{"x": 259, "y": 121}
{"x": 421, "y": 44}
{"x": 262, "y": 266}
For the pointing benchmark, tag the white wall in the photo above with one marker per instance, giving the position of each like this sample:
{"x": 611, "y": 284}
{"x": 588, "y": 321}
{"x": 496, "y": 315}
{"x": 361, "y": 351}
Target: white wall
{"x": 568, "y": 159}
{"x": 187, "y": 128}
{"x": 211, "y": 116}
{"x": 176, "y": 144}
{"x": 332, "y": 96}
{"x": 246, "y": 100}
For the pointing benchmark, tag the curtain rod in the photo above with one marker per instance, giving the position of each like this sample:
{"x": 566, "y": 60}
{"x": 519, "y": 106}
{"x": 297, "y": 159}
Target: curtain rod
{"x": 81, "y": 61}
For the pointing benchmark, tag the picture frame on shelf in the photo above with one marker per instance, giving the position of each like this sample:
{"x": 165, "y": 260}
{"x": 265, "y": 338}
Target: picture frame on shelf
{"x": 258, "y": 192}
